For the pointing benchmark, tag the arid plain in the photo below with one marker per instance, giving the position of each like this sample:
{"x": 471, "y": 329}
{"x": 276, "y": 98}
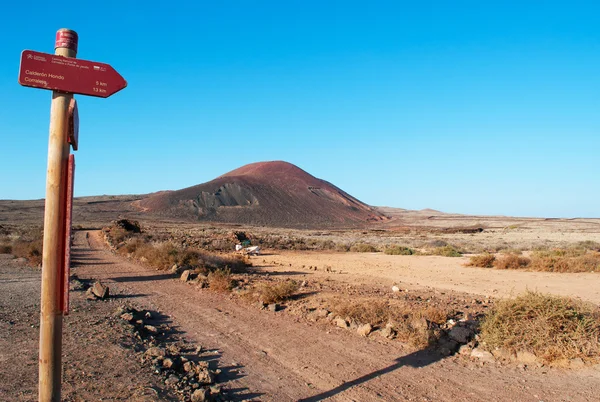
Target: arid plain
{"x": 408, "y": 306}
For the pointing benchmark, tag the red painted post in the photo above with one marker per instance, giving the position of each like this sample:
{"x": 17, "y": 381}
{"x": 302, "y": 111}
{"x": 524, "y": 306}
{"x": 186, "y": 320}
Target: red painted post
{"x": 53, "y": 258}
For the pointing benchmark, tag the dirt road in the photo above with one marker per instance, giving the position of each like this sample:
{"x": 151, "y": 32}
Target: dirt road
{"x": 447, "y": 273}
{"x": 95, "y": 365}
{"x": 281, "y": 357}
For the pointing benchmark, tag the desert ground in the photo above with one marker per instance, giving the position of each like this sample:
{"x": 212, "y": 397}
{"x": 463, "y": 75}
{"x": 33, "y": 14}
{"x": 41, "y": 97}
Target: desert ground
{"x": 298, "y": 350}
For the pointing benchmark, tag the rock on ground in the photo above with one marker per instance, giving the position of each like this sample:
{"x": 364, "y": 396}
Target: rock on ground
{"x": 101, "y": 291}
{"x": 482, "y": 355}
{"x": 365, "y": 330}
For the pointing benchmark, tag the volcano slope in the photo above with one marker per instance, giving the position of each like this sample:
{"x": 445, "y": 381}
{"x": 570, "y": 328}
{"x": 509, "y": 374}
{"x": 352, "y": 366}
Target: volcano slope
{"x": 276, "y": 194}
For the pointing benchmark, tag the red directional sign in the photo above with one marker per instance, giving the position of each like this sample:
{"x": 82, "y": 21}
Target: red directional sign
{"x": 71, "y": 75}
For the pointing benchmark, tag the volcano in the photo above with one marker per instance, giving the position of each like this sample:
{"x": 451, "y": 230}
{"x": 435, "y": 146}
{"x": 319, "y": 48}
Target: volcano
{"x": 276, "y": 194}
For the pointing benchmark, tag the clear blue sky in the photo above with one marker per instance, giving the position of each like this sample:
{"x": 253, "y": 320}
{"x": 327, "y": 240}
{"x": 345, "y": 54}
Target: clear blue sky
{"x": 466, "y": 106}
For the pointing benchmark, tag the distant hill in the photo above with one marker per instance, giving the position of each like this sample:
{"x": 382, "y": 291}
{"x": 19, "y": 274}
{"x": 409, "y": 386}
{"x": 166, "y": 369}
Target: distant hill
{"x": 265, "y": 193}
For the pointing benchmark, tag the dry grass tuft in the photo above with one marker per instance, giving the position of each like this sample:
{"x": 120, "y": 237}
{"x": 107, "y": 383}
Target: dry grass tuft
{"x": 374, "y": 312}
{"x": 417, "y": 325}
{"x": 363, "y": 248}
{"x": 417, "y": 332}
{"x": 446, "y": 251}
{"x": 220, "y": 280}
{"x": 163, "y": 255}
{"x": 31, "y": 250}
{"x": 511, "y": 261}
{"x": 557, "y": 260}
{"x": 485, "y": 260}
{"x": 434, "y": 314}
{"x": 279, "y": 292}
{"x": 553, "y": 328}
{"x": 399, "y": 250}
{"x": 569, "y": 260}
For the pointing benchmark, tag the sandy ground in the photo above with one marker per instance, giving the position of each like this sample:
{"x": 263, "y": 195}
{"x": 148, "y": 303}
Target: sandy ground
{"x": 281, "y": 357}
{"x": 449, "y": 273}
{"x": 96, "y": 365}
{"x": 269, "y": 356}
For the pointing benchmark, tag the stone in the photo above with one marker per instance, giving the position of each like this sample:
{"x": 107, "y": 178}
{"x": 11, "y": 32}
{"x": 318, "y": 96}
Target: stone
{"x": 172, "y": 380}
{"x": 151, "y": 328}
{"x": 274, "y": 307}
{"x": 503, "y": 354}
{"x": 460, "y": 334}
{"x": 321, "y": 313}
{"x": 340, "y": 322}
{"x": 364, "y": 330}
{"x": 89, "y": 294}
{"x": 168, "y": 363}
{"x": 576, "y": 363}
{"x": 526, "y": 357}
{"x": 156, "y": 352}
{"x": 389, "y": 331}
{"x": 205, "y": 376}
{"x": 483, "y": 355}
{"x": 215, "y": 390}
{"x": 186, "y": 275}
{"x": 395, "y": 289}
{"x": 447, "y": 346}
{"x": 20, "y": 261}
{"x": 199, "y": 395}
{"x": 100, "y": 291}
{"x": 127, "y": 317}
{"x": 188, "y": 366}
{"x": 175, "y": 269}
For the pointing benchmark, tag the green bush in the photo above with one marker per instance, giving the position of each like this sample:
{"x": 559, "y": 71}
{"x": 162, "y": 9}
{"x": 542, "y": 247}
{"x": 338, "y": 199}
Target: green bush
{"x": 363, "y": 248}
{"x": 399, "y": 250}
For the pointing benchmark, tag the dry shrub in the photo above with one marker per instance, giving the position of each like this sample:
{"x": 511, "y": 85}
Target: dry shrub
{"x": 363, "y": 248}
{"x": 413, "y": 324}
{"x": 399, "y": 250}
{"x": 5, "y": 249}
{"x": 133, "y": 246}
{"x": 485, "y": 260}
{"x": 220, "y": 280}
{"x": 569, "y": 260}
{"x": 374, "y": 312}
{"x": 446, "y": 251}
{"x": 417, "y": 332}
{"x": 588, "y": 245}
{"x": 418, "y": 325}
{"x": 279, "y": 292}
{"x": 511, "y": 261}
{"x": 342, "y": 247}
{"x": 31, "y": 250}
{"x": 117, "y": 234}
{"x": 551, "y": 327}
{"x": 165, "y": 255}
{"x": 434, "y": 314}
{"x": 160, "y": 256}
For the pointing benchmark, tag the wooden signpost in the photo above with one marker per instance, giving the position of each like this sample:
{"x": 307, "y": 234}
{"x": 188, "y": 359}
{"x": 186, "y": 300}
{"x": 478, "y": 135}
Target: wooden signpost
{"x": 64, "y": 76}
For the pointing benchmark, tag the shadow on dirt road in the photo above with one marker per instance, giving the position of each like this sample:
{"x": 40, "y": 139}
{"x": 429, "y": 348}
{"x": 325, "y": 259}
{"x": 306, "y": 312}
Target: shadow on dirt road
{"x": 417, "y": 359}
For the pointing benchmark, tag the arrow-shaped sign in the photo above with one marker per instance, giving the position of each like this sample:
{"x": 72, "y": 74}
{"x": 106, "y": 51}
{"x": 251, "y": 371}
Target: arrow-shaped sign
{"x": 71, "y": 75}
